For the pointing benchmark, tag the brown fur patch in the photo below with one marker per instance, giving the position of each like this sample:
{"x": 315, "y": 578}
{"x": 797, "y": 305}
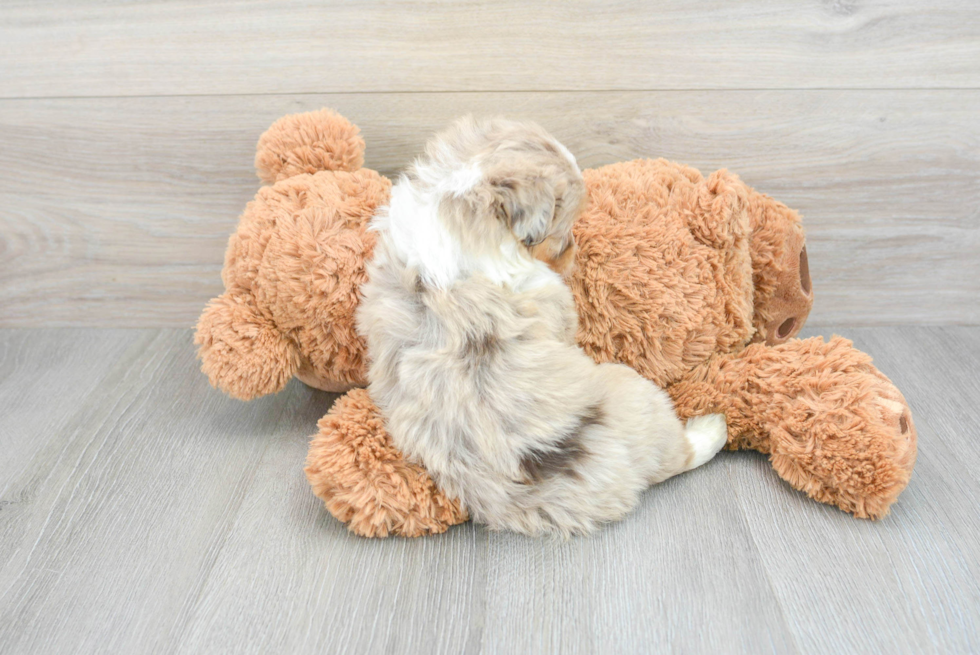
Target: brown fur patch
{"x": 538, "y": 465}
{"x": 594, "y": 415}
{"x": 481, "y": 347}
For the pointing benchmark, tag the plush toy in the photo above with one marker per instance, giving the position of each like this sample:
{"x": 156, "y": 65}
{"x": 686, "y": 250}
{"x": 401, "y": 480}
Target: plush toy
{"x": 700, "y": 284}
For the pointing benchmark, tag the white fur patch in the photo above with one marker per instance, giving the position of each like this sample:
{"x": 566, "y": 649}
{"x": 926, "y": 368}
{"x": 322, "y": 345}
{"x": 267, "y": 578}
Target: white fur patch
{"x": 418, "y": 236}
{"x": 462, "y": 180}
{"x": 422, "y": 241}
{"x": 707, "y": 434}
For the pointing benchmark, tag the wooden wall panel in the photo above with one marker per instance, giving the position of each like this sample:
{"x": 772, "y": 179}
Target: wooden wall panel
{"x": 116, "y": 211}
{"x": 141, "y": 47}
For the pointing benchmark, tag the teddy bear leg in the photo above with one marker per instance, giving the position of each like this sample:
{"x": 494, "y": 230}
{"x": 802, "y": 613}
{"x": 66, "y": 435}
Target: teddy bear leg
{"x": 242, "y": 352}
{"x": 365, "y": 481}
{"x": 832, "y": 424}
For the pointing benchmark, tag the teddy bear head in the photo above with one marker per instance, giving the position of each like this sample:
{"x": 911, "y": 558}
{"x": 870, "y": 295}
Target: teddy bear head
{"x": 294, "y": 264}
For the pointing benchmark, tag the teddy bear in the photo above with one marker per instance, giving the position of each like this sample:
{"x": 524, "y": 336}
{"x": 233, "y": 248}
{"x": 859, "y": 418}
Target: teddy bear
{"x": 698, "y": 283}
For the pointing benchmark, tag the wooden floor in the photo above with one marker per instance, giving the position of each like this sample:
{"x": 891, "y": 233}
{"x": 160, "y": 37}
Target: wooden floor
{"x": 142, "y": 511}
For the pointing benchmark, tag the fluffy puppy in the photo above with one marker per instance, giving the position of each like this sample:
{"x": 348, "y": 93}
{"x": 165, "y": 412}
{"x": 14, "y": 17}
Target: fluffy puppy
{"x": 471, "y": 337}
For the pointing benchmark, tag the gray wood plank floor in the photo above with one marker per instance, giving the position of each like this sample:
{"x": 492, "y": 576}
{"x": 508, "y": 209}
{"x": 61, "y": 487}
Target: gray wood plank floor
{"x": 141, "y": 511}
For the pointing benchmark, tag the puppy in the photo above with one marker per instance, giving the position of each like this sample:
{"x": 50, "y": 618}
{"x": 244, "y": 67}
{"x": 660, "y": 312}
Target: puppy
{"x": 471, "y": 337}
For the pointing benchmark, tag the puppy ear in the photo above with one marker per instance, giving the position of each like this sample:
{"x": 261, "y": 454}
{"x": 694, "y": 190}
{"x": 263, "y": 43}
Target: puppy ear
{"x": 527, "y": 207}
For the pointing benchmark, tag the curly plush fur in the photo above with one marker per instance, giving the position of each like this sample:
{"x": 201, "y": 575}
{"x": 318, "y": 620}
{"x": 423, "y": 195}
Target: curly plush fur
{"x": 812, "y": 406}
{"x": 677, "y": 274}
{"x": 389, "y": 495}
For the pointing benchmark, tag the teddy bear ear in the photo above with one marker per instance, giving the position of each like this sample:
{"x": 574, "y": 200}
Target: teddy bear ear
{"x": 314, "y": 141}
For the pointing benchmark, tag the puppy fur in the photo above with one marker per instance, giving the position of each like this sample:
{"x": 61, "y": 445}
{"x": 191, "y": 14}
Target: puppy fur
{"x": 471, "y": 340}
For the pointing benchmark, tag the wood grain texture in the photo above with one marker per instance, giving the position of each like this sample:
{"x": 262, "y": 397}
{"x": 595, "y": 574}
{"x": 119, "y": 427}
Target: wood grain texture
{"x": 54, "y": 48}
{"x": 115, "y": 212}
{"x": 155, "y": 515}
{"x": 121, "y": 514}
{"x": 919, "y": 568}
{"x": 45, "y": 377}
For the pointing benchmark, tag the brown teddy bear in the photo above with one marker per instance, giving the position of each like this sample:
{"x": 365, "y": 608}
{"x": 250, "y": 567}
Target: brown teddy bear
{"x": 697, "y": 283}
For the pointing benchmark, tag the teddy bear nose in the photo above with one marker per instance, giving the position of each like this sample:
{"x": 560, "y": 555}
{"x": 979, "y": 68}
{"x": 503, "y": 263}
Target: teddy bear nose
{"x": 789, "y": 326}
{"x": 792, "y": 301}
{"x": 786, "y": 328}
{"x": 805, "y": 284}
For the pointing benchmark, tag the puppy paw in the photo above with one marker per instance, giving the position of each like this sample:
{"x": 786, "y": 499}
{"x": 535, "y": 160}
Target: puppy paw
{"x": 707, "y": 435}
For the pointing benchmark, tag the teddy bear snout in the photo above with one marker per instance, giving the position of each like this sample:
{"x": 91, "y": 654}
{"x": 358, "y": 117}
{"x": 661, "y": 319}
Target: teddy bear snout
{"x": 793, "y": 299}
{"x": 898, "y": 418}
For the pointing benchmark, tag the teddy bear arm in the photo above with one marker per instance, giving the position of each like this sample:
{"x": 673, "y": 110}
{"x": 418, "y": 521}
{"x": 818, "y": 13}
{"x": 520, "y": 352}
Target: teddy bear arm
{"x": 242, "y": 352}
{"x": 365, "y": 482}
{"x": 832, "y": 424}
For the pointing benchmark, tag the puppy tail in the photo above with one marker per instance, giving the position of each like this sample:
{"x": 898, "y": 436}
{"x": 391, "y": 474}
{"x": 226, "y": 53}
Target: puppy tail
{"x": 707, "y": 435}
